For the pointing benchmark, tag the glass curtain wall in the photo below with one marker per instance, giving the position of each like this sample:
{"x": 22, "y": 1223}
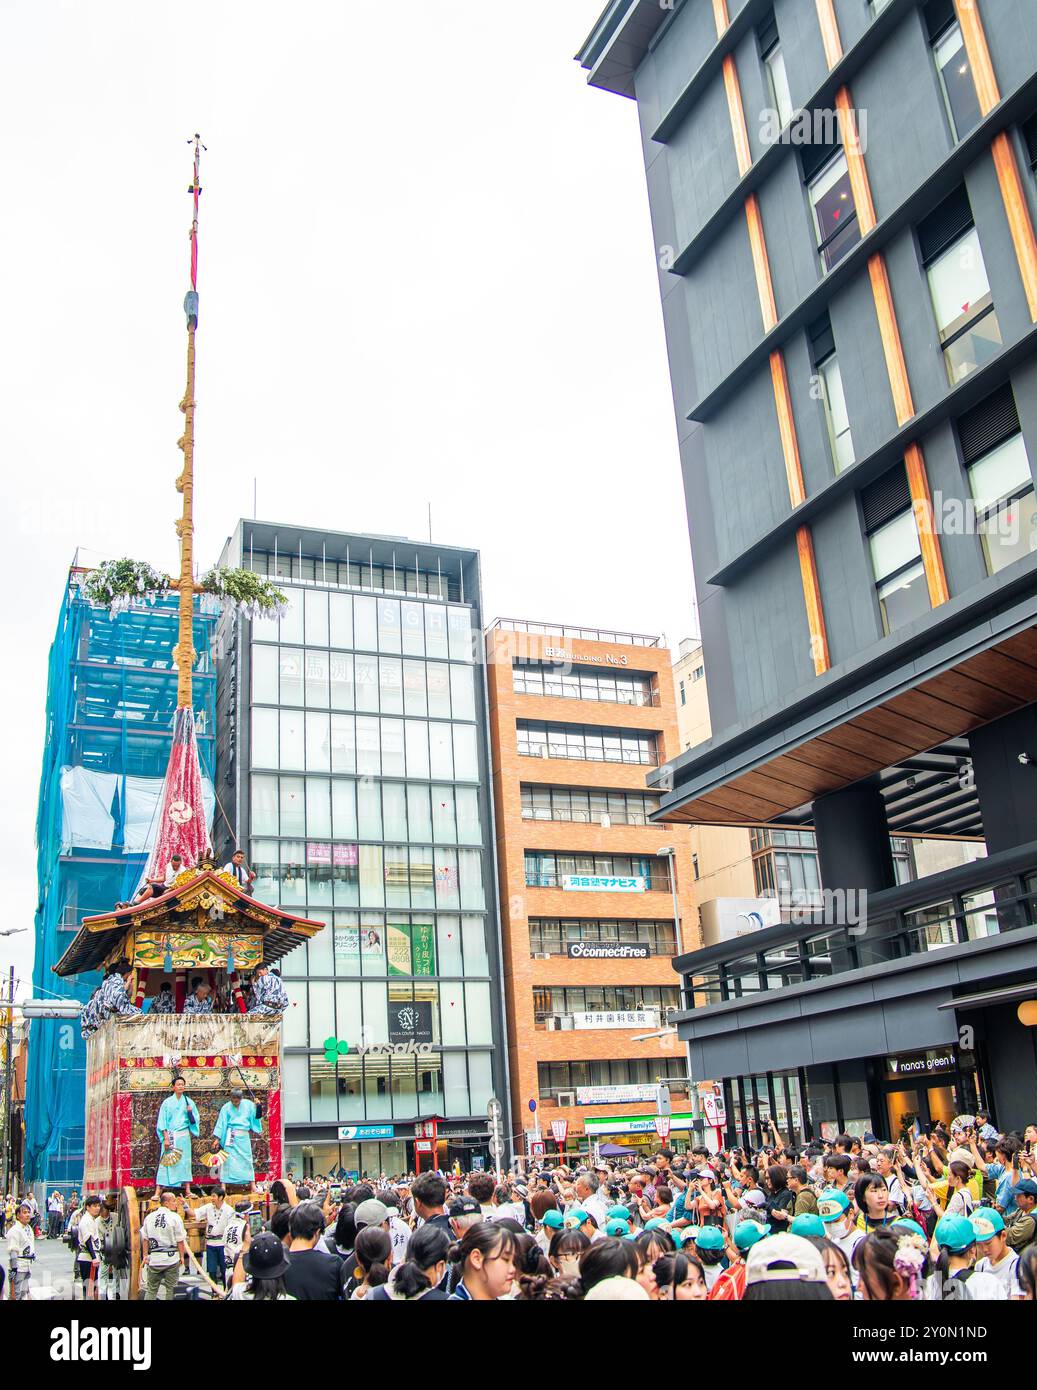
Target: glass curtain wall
{"x": 365, "y": 814}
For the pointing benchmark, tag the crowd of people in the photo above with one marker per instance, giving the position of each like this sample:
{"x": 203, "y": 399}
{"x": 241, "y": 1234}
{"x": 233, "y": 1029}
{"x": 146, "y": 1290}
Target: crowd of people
{"x": 939, "y": 1217}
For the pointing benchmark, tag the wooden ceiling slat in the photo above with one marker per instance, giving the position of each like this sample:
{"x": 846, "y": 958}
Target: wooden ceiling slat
{"x": 1021, "y": 647}
{"x": 822, "y": 756}
{"x": 791, "y": 769}
{"x": 774, "y": 788}
{"x": 1003, "y": 673}
{"x": 891, "y": 726}
{"x": 935, "y": 713}
{"x": 978, "y": 699}
{"x": 730, "y": 798}
{"x": 881, "y": 751}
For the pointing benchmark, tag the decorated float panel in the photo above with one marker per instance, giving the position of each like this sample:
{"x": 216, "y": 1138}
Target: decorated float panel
{"x": 204, "y": 927}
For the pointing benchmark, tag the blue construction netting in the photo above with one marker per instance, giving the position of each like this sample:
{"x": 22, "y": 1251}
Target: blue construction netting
{"x": 111, "y": 695}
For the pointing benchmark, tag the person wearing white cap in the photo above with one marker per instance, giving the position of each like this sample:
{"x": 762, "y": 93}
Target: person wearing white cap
{"x": 785, "y": 1268}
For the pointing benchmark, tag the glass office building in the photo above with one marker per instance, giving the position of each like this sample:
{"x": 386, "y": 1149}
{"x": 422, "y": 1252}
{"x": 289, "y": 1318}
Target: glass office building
{"x": 353, "y": 743}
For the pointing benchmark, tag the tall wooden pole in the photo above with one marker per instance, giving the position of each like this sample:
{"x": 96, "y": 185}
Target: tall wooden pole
{"x": 184, "y": 653}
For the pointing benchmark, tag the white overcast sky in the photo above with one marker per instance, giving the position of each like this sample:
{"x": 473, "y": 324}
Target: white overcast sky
{"x": 426, "y": 276}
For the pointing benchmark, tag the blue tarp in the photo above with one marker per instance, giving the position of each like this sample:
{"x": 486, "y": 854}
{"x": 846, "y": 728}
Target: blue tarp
{"x": 111, "y": 688}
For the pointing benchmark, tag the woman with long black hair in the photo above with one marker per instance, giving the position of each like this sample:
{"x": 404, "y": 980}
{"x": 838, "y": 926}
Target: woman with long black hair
{"x": 486, "y": 1257}
{"x": 422, "y": 1273}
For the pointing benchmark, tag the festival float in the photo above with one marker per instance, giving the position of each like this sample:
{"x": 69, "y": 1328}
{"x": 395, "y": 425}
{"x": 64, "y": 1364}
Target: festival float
{"x": 199, "y": 923}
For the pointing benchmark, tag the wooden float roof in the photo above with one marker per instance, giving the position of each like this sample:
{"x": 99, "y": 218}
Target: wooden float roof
{"x": 99, "y": 935}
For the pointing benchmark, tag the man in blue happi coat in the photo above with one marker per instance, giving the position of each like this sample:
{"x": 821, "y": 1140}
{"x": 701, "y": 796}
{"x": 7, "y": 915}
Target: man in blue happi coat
{"x": 268, "y": 998}
{"x": 177, "y": 1121}
{"x": 238, "y": 1120}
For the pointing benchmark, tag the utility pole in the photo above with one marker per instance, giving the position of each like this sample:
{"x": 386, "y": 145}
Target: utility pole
{"x": 8, "y": 1068}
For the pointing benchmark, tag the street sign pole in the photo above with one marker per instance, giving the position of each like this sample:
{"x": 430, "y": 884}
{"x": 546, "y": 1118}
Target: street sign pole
{"x": 494, "y": 1111}
{"x": 8, "y": 1068}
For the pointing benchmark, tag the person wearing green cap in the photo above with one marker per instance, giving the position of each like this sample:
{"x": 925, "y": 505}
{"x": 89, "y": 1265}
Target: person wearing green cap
{"x": 998, "y": 1258}
{"x": 834, "y": 1209}
{"x": 808, "y": 1223}
{"x": 709, "y": 1248}
{"x": 616, "y": 1227}
{"x": 955, "y": 1277}
{"x": 730, "y": 1284}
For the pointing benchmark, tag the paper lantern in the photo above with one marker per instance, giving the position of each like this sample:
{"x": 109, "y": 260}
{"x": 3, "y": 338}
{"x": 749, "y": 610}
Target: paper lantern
{"x": 1027, "y": 1013}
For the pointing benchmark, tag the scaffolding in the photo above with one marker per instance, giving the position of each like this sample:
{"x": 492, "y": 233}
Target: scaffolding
{"x": 111, "y": 697}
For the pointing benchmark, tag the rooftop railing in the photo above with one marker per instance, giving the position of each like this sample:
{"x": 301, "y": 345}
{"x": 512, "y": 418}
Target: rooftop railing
{"x": 987, "y": 898}
{"x": 583, "y": 634}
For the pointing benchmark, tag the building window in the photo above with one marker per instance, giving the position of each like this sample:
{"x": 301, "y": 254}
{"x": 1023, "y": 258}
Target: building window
{"x": 586, "y": 743}
{"x": 555, "y": 1002}
{"x": 587, "y": 807}
{"x": 877, "y": 6}
{"x": 546, "y": 869}
{"x": 684, "y": 694}
{"x": 835, "y": 413}
{"x": 829, "y": 377}
{"x": 1002, "y": 488}
{"x": 969, "y": 330}
{"x": 903, "y": 859}
{"x": 896, "y": 559}
{"x": 952, "y": 64}
{"x": 698, "y": 673}
{"x": 574, "y": 682}
{"x": 785, "y": 863}
{"x": 695, "y": 864}
{"x": 566, "y": 1077}
{"x": 552, "y": 936}
{"x": 777, "y": 78}
{"x": 896, "y": 553}
{"x": 835, "y": 215}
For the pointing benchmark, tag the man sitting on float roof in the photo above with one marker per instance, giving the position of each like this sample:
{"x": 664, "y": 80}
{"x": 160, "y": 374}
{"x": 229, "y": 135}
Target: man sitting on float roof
{"x": 175, "y": 867}
{"x": 150, "y": 888}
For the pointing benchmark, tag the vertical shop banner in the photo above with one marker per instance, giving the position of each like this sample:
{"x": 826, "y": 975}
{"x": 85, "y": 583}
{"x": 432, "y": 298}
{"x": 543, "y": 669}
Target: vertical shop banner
{"x": 412, "y": 949}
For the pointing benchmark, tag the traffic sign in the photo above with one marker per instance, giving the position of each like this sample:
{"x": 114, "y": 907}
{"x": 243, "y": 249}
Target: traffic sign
{"x": 494, "y": 1110}
{"x": 536, "y": 1148}
{"x": 532, "y": 1106}
{"x": 496, "y": 1147}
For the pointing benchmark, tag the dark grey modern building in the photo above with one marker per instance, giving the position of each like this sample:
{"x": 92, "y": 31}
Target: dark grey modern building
{"x": 352, "y": 757}
{"x": 843, "y": 198}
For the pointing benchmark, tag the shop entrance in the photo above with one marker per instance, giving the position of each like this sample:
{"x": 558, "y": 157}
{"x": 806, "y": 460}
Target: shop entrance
{"x": 929, "y": 1088}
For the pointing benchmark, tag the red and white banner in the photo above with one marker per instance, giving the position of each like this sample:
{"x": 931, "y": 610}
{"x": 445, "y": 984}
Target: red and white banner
{"x": 559, "y": 1131}
{"x": 662, "y": 1126}
{"x": 181, "y": 826}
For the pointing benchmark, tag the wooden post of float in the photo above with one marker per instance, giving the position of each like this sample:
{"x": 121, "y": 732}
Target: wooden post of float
{"x": 142, "y": 984}
{"x": 183, "y": 652}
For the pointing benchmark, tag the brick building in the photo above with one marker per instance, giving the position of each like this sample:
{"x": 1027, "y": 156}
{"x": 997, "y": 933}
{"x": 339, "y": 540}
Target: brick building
{"x": 578, "y": 717}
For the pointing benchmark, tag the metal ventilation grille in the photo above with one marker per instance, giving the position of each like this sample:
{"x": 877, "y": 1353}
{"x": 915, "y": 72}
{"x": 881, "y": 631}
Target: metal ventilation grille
{"x": 939, "y": 15}
{"x": 945, "y": 224}
{"x": 885, "y": 498}
{"x": 822, "y": 341}
{"x": 988, "y": 424}
{"x": 1030, "y": 137}
{"x": 815, "y": 157}
{"x": 767, "y": 33}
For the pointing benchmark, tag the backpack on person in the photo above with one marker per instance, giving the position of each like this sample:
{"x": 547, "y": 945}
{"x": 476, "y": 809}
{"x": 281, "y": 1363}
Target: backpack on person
{"x": 72, "y": 1232}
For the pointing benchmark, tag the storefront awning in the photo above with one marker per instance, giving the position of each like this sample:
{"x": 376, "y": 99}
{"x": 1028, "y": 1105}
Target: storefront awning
{"x": 993, "y": 996}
